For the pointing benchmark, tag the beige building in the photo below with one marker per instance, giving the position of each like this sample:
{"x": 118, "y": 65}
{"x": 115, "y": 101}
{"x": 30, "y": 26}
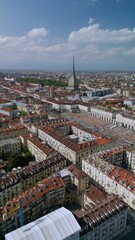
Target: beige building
{"x": 72, "y": 140}
{"x": 79, "y": 178}
{"x": 38, "y": 149}
{"x": 10, "y": 146}
{"x": 13, "y": 132}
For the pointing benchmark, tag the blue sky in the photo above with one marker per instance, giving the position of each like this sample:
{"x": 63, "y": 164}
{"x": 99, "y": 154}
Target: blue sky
{"x": 45, "y": 34}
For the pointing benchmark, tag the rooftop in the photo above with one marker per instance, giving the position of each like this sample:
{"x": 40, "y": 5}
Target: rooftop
{"x": 53, "y": 131}
{"x": 101, "y": 207}
{"x": 18, "y": 174}
{"x": 124, "y": 178}
{"x": 96, "y": 161}
{"x": 47, "y": 185}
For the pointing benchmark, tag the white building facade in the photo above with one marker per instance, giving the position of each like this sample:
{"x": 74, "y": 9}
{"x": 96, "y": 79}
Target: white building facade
{"x": 99, "y": 172}
{"x": 103, "y": 114}
{"x": 124, "y": 121}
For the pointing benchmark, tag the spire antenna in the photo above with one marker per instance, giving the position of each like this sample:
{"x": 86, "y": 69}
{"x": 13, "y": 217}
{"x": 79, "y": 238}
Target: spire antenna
{"x": 73, "y": 64}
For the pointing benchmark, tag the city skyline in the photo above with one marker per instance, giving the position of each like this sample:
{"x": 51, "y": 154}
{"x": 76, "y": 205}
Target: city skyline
{"x": 45, "y": 34}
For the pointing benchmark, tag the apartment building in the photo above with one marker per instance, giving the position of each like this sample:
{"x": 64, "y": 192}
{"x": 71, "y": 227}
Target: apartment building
{"x": 46, "y": 196}
{"x": 131, "y": 160}
{"x": 116, "y": 156}
{"x": 102, "y": 216}
{"x": 10, "y": 146}
{"x": 113, "y": 179}
{"x": 72, "y": 140}
{"x": 129, "y": 102}
{"x": 9, "y": 112}
{"x": 71, "y": 191}
{"x": 5, "y": 102}
{"x": 79, "y": 178}
{"x": 22, "y": 179}
{"x": 35, "y": 118}
{"x": 119, "y": 156}
{"x": 12, "y": 132}
{"x": 62, "y": 104}
{"x": 38, "y": 149}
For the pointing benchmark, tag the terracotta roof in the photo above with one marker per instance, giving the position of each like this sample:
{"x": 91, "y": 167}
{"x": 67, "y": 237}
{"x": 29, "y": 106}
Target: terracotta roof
{"x": 124, "y": 178}
{"x": 4, "y": 101}
{"x": 34, "y": 168}
{"x": 44, "y": 148}
{"x": 52, "y": 130}
{"x": 42, "y": 188}
{"x": 77, "y": 172}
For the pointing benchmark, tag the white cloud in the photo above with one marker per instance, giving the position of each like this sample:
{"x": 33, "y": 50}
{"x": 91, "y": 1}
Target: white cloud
{"x": 94, "y": 33}
{"x": 37, "y": 33}
{"x": 89, "y": 44}
{"x": 92, "y": 2}
{"x": 85, "y": 2}
{"x": 91, "y": 20}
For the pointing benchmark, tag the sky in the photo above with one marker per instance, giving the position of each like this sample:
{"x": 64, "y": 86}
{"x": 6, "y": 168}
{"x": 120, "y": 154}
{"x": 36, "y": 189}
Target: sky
{"x": 46, "y": 34}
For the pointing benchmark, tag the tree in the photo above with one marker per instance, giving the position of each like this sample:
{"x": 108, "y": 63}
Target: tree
{"x": 22, "y": 113}
{"x": 3, "y": 156}
{"x": 19, "y": 160}
{"x": 45, "y": 82}
{"x": 28, "y": 157}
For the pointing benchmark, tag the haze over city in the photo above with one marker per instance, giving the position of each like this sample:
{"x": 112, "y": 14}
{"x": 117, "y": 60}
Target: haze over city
{"x": 45, "y": 34}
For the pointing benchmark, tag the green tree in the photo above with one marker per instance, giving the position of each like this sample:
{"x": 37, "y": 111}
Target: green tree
{"x": 22, "y": 113}
{"x": 19, "y": 160}
{"x": 45, "y": 82}
{"x": 3, "y": 156}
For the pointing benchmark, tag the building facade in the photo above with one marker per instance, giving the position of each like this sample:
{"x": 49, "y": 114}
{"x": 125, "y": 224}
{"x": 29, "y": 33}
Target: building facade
{"x": 46, "y": 196}
{"x": 10, "y": 146}
{"x": 22, "y": 179}
{"x": 103, "y": 114}
{"x": 113, "y": 179}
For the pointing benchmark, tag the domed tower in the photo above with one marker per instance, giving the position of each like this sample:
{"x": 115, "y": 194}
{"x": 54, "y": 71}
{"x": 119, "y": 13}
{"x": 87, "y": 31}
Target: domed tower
{"x": 73, "y": 81}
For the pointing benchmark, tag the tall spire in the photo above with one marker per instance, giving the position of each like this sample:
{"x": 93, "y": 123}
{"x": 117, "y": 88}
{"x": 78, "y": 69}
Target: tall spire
{"x": 73, "y": 64}
{"x": 73, "y": 81}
